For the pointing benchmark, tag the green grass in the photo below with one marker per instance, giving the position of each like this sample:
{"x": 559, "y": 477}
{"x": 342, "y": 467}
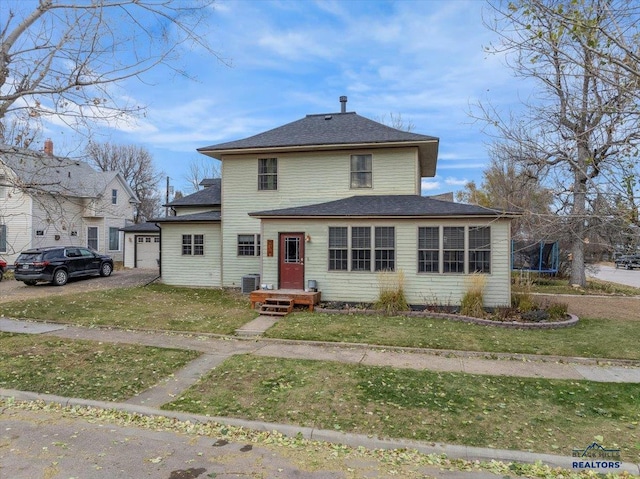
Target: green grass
{"x": 552, "y": 285}
{"x": 84, "y": 369}
{"x": 594, "y": 338}
{"x": 490, "y": 411}
{"x": 146, "y": 307}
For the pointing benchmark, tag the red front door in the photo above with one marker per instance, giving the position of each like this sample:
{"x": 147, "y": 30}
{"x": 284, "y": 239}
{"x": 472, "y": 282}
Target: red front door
{"x": 291, "y": 261}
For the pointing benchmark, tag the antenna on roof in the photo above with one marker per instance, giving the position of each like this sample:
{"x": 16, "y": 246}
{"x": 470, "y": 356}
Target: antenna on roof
{"x": 343, "y": 104}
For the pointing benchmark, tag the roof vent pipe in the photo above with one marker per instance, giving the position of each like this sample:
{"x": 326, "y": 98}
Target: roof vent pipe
{"x": 343, "y": 104}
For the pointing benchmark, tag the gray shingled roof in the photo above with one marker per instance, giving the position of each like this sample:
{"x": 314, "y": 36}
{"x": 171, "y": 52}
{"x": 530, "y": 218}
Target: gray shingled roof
{"x": 383, "y": 206}
{"x": 41, "y": 172}
{"x": 209, "y": 196}
{"x": 195, "y": 217}
{"x": 141, "y": 228}
{"x": 330, "y": 130}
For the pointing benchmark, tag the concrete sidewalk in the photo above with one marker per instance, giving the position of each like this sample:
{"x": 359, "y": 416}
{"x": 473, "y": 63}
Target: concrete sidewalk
{"x": 216, "y": 349}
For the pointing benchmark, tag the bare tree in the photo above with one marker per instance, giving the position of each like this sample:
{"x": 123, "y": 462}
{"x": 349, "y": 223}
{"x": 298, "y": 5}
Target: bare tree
{"x": 199, "y": 169}
{"x": 396, "y": 121}
{"x": 580, "y": 125}
{"x": 62, "y": 58}
{"x": 135, "y": 164}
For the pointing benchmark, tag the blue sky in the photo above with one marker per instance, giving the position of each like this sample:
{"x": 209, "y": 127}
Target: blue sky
{"x": 421, "y": 59}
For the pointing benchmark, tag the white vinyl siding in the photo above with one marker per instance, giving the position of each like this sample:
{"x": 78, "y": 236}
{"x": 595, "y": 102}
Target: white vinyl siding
{"x": 420, "y": 288}
{"x": 302, "y": 180}
{"x": 191, "y": 270}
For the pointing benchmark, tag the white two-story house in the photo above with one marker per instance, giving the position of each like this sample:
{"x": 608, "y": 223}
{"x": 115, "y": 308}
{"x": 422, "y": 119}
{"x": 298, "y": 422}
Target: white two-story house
{"x": 335, "y": 198}
{"x": 47, "y": 200}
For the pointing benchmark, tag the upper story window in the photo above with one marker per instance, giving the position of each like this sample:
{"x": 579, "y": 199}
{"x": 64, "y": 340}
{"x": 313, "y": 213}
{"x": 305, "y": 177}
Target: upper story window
{"x": 361, "y": 171}
{"x": 268, "y": 174}
{"x": 114, "y": 197}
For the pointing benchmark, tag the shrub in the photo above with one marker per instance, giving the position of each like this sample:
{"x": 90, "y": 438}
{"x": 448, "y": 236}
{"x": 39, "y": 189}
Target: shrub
{"x": 391, "y": 298}
{"x": 472, "y": 303}
{"x": 557, "y": 310}
{"x": 523, "y": 302}
{"x": 535, "y": 315}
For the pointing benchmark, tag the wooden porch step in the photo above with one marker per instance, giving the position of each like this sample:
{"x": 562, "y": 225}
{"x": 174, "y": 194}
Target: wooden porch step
{"x": 276, "y": 306}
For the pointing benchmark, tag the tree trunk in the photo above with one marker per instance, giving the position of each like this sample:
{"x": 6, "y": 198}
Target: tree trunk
{"x": 578, "y": 214}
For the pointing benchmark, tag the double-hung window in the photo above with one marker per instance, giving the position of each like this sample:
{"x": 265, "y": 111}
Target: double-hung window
{"x": 192, "y": 245}
{"x": 366, "y": 249}
{"x": 429, "y": 249}
{"x": 268, "y": 174}
{"x": 360, "y": 248}
{"x": 3, "y": 238}
{"x": 361, "y": 171}
{"x": 92, "y": 237}
{"x": 249, "y": 245}
{"x": 385, "y": 248}
{"x": 480, "y": 249}
{"x": 338, "y": 248}
{"x": 453, "y": 249}
{"x": 114, "y": 239}
{"x": 114, "y": 197}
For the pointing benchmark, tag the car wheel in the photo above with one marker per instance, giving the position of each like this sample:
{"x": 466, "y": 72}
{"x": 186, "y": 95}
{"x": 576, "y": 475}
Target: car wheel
{"x": 30, "y": 283}
{"x": 106, "y": 269}
{"x": 60, "y": 277}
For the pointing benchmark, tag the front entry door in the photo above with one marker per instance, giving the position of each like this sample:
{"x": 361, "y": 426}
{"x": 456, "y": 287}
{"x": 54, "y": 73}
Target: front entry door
{"x": 291, "y": 261}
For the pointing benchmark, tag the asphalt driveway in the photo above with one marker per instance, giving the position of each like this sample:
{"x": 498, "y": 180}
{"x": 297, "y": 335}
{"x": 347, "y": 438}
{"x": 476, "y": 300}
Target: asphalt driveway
{"x": 10, "y": 289}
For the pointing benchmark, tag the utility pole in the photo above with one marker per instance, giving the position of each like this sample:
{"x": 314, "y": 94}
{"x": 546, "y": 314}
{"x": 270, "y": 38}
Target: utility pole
{"x": 166, "y": 208}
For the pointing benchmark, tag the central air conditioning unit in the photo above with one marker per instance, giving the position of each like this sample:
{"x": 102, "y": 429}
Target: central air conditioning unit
{"x": 250, "y": 282}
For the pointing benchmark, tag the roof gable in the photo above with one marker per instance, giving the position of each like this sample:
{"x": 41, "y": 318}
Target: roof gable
{"x": 331, "y": 131}
{"x": 56, "y": 175}
{"x": 209, "y": 196}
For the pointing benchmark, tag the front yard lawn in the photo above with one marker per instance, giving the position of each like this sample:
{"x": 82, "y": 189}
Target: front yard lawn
{"x": 84, "y": 369}
{"x": 540, "y": 415}
{"x": 155, "y": 306}
{"x": 594, "y": 338}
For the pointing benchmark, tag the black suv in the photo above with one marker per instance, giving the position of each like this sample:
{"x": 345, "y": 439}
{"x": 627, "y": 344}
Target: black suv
{"x": 58, "y": 264}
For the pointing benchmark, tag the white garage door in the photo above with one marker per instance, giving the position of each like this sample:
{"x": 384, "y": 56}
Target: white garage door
{"x": 147, "y": 251}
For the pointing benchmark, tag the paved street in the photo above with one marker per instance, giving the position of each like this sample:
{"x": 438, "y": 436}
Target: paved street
{"x": 629, "y": 277}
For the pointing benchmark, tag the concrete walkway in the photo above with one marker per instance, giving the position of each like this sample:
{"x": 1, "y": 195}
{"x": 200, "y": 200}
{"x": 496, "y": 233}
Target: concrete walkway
{"x": 216, "y": 349}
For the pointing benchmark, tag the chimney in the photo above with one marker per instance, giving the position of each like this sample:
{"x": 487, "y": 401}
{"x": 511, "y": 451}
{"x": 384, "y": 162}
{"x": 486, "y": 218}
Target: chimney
{"x": 48, "y": 147}
{"x": 343, "y": 104}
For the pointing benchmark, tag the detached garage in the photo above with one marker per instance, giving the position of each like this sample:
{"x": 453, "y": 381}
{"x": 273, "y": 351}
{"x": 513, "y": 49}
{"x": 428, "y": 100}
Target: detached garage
{"x": 142, "y": 246}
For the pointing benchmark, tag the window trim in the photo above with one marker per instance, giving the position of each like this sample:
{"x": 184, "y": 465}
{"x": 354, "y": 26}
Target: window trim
{"x": 192, "y": 244}
{"x": 338, "y": 250}
{"x": 3, "y": 237}
{"x": 466, "y": 252}
{"x": 363, "y": 253}
{"x": 97, "y": 239}
{"x": 267, "y": 180}
{"x": 117, "y": 232}
{"x": 355, "y": 173}
{"x": 254, "y": 245}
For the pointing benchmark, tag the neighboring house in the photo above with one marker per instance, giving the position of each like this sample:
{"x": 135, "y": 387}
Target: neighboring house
{"x": 335, "y": 198}
{"x": 46, "y": 200}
